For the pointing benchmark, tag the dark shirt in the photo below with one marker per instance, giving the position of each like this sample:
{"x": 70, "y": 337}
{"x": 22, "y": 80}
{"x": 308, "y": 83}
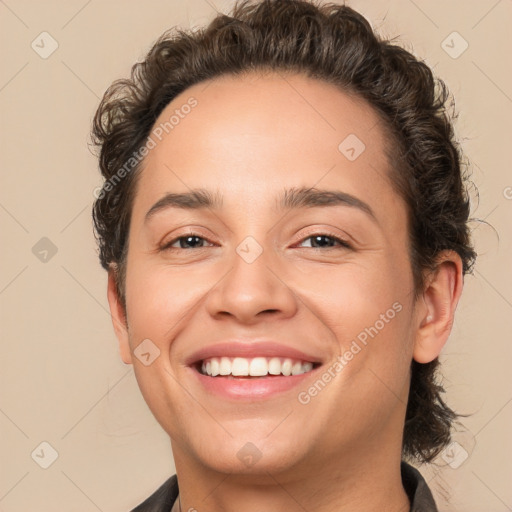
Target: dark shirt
{"x": 414, "y": 484}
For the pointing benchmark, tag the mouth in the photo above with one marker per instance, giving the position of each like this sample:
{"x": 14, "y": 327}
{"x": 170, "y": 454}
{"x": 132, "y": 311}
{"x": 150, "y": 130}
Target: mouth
{"x": 253, "y": 368}
{"x": 252, "y": 379}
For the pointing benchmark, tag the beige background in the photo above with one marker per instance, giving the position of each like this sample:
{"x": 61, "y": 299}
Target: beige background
{"x": 62, "y": 380}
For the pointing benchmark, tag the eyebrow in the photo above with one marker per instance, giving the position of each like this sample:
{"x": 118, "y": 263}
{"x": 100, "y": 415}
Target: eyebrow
{"x": 292, "y": 198}
{"x": 194, "y": 200}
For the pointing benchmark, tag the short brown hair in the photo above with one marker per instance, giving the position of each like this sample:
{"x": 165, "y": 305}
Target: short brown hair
{"x": 336, "y": 44}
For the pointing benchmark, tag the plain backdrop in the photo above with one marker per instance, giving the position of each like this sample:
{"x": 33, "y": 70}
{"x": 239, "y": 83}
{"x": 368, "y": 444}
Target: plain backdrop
{"x": 62, "y": 381}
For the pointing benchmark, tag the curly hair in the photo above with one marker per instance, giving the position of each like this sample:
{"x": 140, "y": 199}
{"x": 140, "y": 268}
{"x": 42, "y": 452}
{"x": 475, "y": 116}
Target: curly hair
{"x": 335, "y": 44}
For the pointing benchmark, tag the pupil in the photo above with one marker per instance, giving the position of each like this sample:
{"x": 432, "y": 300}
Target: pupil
{"x": 186, "y": 241}
{"x": 320, "y": 237}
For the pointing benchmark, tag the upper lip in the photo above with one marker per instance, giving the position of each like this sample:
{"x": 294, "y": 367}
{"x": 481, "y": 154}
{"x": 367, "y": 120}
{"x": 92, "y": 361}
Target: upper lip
{"x": 250, "y": 349}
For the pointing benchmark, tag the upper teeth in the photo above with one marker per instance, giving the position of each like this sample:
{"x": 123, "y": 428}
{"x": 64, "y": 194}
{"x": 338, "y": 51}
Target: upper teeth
{"x": 255, "y": 367}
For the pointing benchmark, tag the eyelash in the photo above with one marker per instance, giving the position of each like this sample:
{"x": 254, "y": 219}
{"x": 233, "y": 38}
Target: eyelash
{"x": 343, "y": 243}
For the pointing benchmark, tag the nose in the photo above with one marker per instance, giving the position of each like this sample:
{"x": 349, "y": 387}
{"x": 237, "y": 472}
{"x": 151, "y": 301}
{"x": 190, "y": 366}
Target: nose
{"x": 252, "y": 291}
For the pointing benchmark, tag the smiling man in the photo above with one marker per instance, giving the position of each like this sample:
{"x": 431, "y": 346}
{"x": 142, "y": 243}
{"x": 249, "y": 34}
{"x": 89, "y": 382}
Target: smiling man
{"x": 286, "y": 249}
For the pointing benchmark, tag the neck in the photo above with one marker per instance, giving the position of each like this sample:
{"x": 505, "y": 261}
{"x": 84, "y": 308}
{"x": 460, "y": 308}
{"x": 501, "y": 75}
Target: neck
{"x": 369, "y": 481}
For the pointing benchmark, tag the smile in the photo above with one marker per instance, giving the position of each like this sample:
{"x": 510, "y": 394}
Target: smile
{"x": 251, "y": 370}
{"x": 254, "y": 367}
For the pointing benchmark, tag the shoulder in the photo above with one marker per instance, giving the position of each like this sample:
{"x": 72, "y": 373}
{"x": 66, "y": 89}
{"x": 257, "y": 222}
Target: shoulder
{"x": 162, "y": 499}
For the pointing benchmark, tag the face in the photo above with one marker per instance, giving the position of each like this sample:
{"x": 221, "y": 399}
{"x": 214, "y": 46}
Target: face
{"x": 300, "y": 255}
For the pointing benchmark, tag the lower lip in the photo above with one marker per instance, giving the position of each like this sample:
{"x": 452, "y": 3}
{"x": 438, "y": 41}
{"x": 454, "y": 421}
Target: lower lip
{"x": 250, "y": 388}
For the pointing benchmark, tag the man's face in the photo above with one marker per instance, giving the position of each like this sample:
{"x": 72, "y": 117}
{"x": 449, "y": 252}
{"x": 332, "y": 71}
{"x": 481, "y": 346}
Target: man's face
{"x": 267, "y": 280}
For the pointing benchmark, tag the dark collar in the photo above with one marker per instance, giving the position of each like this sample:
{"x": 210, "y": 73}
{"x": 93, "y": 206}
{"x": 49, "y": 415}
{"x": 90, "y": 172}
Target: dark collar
{"x": 162, "y": 499}
{"x": 417, "y": 489}
{"x": 414, "y": 484}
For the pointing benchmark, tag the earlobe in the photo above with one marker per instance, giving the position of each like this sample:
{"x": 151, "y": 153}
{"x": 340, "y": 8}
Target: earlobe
{"x": 118, "y": 315}
{"x": 439, "y": 301}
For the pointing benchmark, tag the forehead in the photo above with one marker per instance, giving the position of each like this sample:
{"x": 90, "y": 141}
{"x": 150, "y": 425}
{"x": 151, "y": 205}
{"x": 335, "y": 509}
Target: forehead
{"x": 247, "y": 135}
{"x": 275, "y": 108}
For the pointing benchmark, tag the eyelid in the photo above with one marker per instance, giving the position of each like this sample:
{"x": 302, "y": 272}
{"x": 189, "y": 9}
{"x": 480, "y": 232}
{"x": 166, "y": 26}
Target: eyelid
{"x": 319, "y": 231}
{"x": 166, "y": 244}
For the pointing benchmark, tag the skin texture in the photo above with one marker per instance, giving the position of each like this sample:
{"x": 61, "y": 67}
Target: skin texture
{"x": 248, "y": 139}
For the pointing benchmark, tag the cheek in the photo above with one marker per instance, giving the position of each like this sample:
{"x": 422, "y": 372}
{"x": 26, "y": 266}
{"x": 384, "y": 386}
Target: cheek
{"x": 351, "y": 297}
{"x": 160, "y": 299}
{"x": 366, "y": 313}
{"x": 365, "y": 310}
{"x": 159, "y": 305}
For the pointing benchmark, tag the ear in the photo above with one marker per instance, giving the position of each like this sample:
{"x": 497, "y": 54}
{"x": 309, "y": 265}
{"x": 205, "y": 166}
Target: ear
{"x": 118, "y": 316}
{"x": 436, "y": 307}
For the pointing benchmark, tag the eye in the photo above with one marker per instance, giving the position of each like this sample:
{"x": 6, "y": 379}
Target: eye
{"x": 325, "y": 240}
{"x": 193, "y": 241}
{"x": 188, "y": 241}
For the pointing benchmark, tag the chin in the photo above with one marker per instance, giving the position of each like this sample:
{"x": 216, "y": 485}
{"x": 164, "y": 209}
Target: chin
{"x": 246, "y": 454}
